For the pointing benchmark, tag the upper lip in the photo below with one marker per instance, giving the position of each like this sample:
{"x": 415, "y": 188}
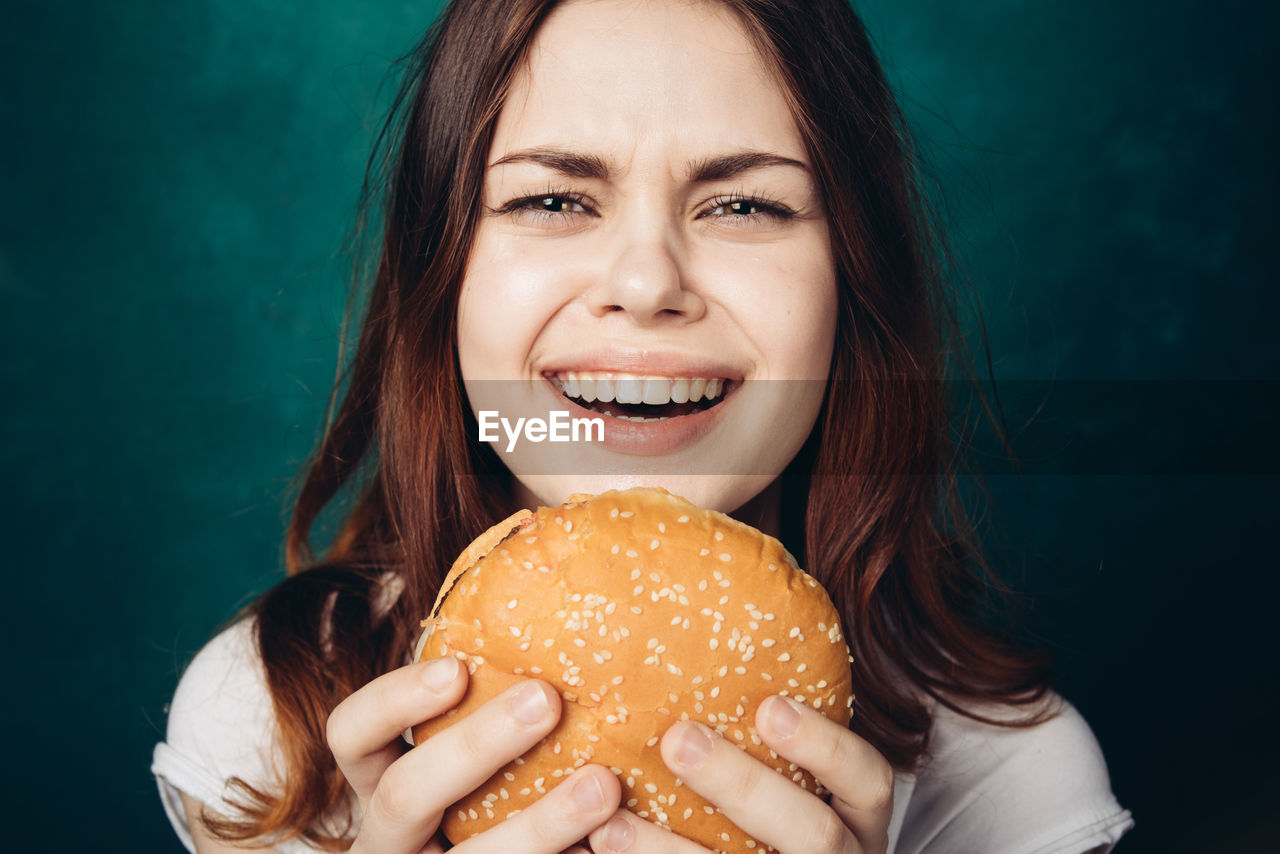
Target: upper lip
{"x": 640, "y": 362}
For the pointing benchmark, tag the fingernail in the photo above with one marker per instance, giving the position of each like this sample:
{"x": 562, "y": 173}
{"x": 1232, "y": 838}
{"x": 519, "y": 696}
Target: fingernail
{"x": 588, "y": 795}
{"x": 619, "y": 835}
{"x": 695, "y": 745}
{"x": 440, "y": 673}
{"x": 783, "y": 717}
{"x": 529, "y": 704}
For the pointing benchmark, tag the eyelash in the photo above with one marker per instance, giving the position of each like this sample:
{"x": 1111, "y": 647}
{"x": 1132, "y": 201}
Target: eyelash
{"x": 767, "y": 209}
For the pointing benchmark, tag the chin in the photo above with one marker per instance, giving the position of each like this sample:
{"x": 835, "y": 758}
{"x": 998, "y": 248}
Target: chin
{"x": 725, "y": 493}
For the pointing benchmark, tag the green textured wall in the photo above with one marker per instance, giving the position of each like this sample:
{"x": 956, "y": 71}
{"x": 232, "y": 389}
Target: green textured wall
{"x": 176, "y": 181}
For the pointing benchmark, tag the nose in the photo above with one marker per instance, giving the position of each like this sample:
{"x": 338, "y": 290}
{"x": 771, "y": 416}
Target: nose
{"x": 648, "y": 282}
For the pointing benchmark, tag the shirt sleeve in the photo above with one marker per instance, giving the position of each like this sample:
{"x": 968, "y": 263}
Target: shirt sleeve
{"x": 221, "y": 725}
{"x": 1008, "y": 790}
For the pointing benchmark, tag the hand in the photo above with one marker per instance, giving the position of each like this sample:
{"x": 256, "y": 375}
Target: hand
{"x": 765, "y": 804}
{"x": 403, "y": 792}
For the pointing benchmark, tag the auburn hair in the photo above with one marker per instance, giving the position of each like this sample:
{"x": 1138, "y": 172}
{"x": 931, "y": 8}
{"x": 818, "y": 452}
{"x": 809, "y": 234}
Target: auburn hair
{"x": 870, "y": 503}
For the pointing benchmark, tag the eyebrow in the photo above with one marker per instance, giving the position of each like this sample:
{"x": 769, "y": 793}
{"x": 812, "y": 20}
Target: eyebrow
{"x": 579, "y": 165}
{"x": 570, "y": 163}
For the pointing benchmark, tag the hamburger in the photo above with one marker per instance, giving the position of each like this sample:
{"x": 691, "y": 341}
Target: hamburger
{"x": 641, "y": 609}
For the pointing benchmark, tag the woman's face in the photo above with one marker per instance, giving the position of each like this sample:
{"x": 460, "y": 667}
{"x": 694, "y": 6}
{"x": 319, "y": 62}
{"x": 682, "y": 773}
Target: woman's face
{"x": 651, "y": 231}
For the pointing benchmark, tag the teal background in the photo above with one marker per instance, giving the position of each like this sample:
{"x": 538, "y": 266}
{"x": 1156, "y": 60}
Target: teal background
{"x": 176, "y": 182}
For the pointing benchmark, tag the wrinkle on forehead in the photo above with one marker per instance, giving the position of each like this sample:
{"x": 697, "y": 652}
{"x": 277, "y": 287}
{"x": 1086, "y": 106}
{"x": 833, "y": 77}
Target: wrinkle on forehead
{"x": 640, "y": 76}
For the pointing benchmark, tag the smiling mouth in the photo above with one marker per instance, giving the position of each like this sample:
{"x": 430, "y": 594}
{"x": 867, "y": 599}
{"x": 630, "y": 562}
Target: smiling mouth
{"x": 632, "y": 397}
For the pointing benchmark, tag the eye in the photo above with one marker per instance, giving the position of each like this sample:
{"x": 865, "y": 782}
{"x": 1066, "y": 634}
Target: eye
{"x": 734, "y": 210}
{"x": 554, "y": 204}
{"x": 546, "y": 208}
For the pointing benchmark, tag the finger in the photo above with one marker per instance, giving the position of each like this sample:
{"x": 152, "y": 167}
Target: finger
{"x": 627, "y": 833}
{"x": 557, "y": 820}
{"x": 416, "y": 789}
{"x": 768, "y": 806}
{"x": 364, "y": 730}
{"x": 859, "y": 778}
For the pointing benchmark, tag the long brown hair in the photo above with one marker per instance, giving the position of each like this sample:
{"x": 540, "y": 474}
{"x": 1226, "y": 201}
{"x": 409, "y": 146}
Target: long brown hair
{"x": 872, "y": 496}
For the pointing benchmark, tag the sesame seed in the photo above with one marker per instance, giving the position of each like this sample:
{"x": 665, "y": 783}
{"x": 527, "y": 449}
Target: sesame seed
{"x": 726, "y": 557}
{"x": 653, "y": 544}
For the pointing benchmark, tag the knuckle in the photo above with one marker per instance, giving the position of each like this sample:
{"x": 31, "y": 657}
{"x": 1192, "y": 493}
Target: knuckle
{"x": 394, "y": 802}
{"x": 879, "y": 786}
{"x": 827, "y": 834}
{"x": 335, "y": 732}
{"x": 745, "y": 781}
{"x": 474, "y": 740}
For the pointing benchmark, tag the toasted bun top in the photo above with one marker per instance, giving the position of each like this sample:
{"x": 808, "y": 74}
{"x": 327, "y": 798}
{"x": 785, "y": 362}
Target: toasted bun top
{"x": 641, "y": 609}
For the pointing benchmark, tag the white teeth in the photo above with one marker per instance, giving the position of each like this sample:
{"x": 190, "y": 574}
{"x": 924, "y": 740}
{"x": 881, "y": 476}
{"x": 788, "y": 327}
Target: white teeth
{"x": 632, "y": 389}
{"x": 679, "y": 391}
{"x": 657, "y": 391}
{"x": 629, "y": 390}
{"x": 604, "y": 391}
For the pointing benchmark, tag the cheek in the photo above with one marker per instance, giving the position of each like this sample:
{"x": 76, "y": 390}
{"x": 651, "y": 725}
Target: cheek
{"x": 792, "y": 309}
{"x": 508, "y": 294}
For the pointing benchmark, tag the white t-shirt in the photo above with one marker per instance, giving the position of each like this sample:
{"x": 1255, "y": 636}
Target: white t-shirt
{"x": 984, "y": 788}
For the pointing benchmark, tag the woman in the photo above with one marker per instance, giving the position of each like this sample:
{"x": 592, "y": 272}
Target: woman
{"x": 587, "y": 191}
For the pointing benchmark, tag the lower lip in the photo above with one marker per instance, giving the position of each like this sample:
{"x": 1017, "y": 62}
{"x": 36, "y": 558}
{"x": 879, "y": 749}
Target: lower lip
{"x": 650, "y": 438}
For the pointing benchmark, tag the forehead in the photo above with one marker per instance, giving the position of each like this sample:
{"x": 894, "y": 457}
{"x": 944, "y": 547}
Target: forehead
{"x": 635, "y": 78}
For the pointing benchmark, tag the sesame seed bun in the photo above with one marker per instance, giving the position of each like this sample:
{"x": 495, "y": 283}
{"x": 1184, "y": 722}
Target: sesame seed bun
{"x": 642, "y": 610}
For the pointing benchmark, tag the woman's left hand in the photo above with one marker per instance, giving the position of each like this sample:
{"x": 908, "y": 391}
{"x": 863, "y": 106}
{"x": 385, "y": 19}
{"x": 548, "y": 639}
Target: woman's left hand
{"x": 765, "y": 804}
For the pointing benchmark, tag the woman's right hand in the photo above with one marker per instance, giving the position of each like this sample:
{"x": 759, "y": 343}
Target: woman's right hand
{"x": 403, "y": 792}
